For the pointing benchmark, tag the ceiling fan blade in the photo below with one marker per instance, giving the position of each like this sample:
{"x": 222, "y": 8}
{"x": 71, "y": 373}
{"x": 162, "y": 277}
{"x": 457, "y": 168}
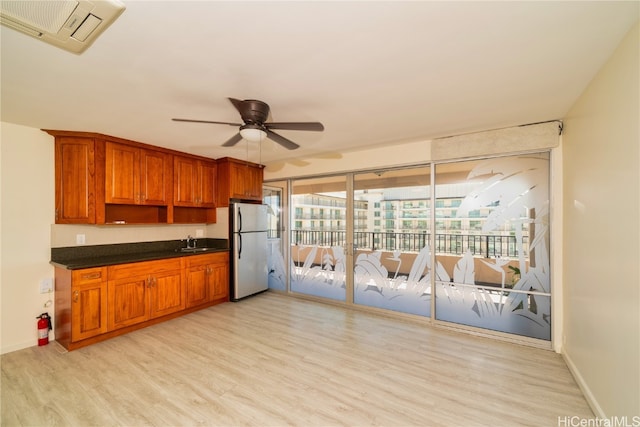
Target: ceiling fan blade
{"x": 238, "y": 104}
{"x": 289, "y": 145}
{"x": 233, "y": 140}
{"x": 313, "y": 126}
{"x": 206, "y": 121}
{"x": 251, "y": 110}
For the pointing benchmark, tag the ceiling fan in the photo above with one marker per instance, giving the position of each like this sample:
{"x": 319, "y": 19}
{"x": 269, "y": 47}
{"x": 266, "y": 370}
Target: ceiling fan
{"x": 253, "y": 114}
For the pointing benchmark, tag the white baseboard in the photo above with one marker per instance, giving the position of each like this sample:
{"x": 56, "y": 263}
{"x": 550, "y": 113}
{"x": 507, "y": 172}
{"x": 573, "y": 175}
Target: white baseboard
{"x": 25, "y": 344}
{"x": 18, "y": 346}
{"x": 588, "y": 395}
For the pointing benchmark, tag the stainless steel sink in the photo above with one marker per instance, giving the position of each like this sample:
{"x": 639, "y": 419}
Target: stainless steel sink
{"x": 191, "y": 250}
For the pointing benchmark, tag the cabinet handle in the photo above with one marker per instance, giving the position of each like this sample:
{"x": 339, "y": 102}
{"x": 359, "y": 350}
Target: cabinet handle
{"x": 75, "y": 296}
{"x": 95, "y": 275}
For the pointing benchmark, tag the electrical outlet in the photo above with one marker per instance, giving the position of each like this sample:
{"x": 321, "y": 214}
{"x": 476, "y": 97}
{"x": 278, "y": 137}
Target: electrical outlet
{"x": 46, "y": 286}
{"x": 80, "y": 239}
{"x": 199, "y": 232}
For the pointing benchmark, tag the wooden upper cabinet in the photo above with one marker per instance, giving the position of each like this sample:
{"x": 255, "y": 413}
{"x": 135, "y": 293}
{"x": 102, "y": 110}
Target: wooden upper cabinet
{"x": 155, "y": 177}
{"x": 100, "y": 179}
{"x": 208, "y": 183}
{"x": 136, "y": 176}
{"x": 75, "y": 181}
{"x": 194, "y": 182}
{"x": 238, "y": 180}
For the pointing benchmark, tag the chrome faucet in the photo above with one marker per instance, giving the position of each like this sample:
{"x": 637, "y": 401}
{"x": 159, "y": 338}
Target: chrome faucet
{"x": 191, "y": 242}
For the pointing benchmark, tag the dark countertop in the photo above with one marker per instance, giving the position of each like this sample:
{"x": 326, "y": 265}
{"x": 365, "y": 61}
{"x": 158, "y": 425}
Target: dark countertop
{"x": 77, "y": 257}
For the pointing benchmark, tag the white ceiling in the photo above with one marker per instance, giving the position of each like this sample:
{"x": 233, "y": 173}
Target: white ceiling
{"x": 372, "y": 72}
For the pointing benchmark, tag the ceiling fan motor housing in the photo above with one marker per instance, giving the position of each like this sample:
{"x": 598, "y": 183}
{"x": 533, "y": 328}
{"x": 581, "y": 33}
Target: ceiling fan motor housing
{"x": 254, "y": 111}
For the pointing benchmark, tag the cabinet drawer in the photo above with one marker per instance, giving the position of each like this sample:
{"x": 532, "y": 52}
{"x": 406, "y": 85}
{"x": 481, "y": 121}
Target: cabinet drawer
{"x": 87, "y": 276}
{"x": 124, "y": 271}
{"x": 215, "y": 258}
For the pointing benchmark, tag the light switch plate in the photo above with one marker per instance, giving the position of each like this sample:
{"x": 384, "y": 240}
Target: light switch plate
{"x": 46, "y": 285}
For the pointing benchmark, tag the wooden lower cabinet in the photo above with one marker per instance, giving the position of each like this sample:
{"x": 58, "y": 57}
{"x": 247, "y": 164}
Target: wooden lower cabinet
{"x": 95, "y": 304}
{"x": 141, "y": 291}
{"x": 207, "y": 278}
{"x": 81, "y": 304}
{"x": 89, "y": 310}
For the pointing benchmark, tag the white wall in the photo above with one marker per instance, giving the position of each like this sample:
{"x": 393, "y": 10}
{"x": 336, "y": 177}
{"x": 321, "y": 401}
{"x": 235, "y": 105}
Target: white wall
{"x": 63, "y": 235}
{"x": 601, "y": 235}
{"x": 26, "y": 203}
{"x": 27, "y": 232}
{"x": 410, "y": 153}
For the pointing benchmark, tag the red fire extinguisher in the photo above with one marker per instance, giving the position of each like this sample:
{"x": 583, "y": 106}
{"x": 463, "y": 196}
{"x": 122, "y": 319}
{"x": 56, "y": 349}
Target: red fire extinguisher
{"x": 44, "y": 326}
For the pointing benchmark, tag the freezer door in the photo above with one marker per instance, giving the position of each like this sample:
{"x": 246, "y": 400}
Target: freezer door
{"x": 249, "y": 217}
{"x": 250, "y": 273}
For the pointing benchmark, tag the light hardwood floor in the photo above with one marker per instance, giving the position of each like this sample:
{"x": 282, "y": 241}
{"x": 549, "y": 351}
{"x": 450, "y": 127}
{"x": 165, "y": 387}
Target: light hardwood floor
{"x": 273, "y": 360}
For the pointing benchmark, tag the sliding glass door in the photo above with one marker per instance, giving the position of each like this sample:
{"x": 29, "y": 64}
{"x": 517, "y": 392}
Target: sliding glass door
{"x": 463, "y": 242}
{"x": 319, "y": 237}
{"x": 274, "y": 196}
{"x": 391, "y": 240}
{"x": 492, "y": 244}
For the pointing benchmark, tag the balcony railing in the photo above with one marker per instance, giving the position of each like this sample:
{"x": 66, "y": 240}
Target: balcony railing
{"x": 480, "y": 244}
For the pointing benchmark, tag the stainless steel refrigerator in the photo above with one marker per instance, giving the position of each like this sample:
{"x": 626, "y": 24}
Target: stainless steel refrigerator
{"x": 248, "y": 238}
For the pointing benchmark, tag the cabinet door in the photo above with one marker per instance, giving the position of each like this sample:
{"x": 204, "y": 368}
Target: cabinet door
{"x": 166, "y": 294}
{"x": 122, "y": 174}
{"x": 197, "y": 285}
{"x": 185, "y": 181}
{"x": 128, "y": 302}
{"x": 88, "y": 311}
{"x": 237, "y": 181}
{"x": 88, "y": 303}
{"x": 245, "y": 181}
{"x": 75, "y": 181}
{"x": 208, "y": 176}
{"x": 254, "y": 183}
{"x": 219, "y": 281}
{"x": 154, "y": 178}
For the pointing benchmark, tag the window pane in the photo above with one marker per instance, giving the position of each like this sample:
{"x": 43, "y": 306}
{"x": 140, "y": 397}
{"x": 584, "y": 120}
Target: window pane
{"x": 492, "y": 257}
{"x": 318, "y": 237}
{"x": 391, "y": 266}
{"x": 273, "y": 198}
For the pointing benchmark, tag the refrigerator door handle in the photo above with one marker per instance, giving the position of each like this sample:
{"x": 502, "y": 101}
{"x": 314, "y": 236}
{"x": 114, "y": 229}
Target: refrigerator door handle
{"x": 239, "y": 220}
{"x": 239, "y": 245}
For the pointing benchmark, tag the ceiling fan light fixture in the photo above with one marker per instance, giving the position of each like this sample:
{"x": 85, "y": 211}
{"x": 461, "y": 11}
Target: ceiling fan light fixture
{"x": 253, "y": 133}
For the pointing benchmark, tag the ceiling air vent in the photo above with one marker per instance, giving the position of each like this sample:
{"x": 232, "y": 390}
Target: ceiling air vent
{"x": 69, "y": 24}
